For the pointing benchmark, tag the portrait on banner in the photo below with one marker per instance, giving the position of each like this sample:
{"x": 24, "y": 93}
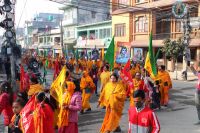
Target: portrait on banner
{"x": 138, "y": 54}
{"x": 122, "y": 52}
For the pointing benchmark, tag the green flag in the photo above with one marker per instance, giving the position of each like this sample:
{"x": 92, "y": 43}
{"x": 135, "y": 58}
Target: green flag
{"x": 109, "y": 57}
{"x": 150, "y": 64}
{"x": 157, "y": 54}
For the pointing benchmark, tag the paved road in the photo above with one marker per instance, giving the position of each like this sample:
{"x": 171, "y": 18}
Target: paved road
{"x": 179, "y": 117}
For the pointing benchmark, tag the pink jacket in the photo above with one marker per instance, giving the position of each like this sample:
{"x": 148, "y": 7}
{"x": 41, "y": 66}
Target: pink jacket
{"x": 75, "y": 106}
{"x": 198, "y": 83}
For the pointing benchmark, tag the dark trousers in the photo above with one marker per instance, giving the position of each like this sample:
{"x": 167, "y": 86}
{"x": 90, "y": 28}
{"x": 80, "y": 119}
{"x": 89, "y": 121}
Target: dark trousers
{"x": 96, "y": 90}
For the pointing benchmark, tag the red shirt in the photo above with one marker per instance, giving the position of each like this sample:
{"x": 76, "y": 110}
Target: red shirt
{"x": 144, "y": 121}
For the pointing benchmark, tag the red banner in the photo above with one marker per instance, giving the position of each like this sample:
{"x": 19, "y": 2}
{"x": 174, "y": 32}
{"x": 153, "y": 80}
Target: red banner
{"x": 27, "y": 116}
{"x": 22, "y": 79}
{"x": 126, "y": 76}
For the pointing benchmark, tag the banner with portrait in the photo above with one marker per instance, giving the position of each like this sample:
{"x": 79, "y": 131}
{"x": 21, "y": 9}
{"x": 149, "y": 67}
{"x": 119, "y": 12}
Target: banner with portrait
{"x": 95, "y": 54}
{"x": 138, "y": 54}
{"x": 122, "y": 52}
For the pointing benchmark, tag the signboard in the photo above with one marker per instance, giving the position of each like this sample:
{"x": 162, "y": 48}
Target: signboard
{"x": 123, "y": 52}
{"x": 195, "y": 22}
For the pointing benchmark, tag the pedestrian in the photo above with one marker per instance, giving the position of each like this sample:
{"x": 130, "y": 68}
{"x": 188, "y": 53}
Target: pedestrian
{"x": 165, "y": 85}
{"x": 15, "y": 125}
{"x": 6, "y": 100}
{"x": 94, "y": 75}
{"x": 35, "y": 87}
{"x": 87, "y": 86}
{"x": 113, "y": 95}
{"x": 68, "y": 116}
{"x": 43, "y": 115}
{"x": 141, "y": 118}
{"x": 104, "y": 79}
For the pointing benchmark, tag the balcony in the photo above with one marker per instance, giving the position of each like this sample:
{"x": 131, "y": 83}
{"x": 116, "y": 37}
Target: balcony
{"x": 92, "y": 43}
{"x": 161, "y": 36}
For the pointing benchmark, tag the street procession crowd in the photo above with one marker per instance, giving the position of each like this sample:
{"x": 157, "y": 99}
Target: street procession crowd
{"x": 37, "y": 108}
{"x": 31, "y": 110}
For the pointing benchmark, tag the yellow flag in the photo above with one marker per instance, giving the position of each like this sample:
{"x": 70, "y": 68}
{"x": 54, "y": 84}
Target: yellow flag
{"x": 57, "y": 88}
{"x": 148, "y": 66}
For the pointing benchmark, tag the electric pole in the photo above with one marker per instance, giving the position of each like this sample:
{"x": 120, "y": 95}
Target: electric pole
{"x": 186, "y": 41}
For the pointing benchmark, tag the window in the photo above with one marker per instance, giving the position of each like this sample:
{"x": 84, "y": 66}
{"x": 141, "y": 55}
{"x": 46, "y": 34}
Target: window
{"x": 93, "y": 14}
{"x": 123, "y": 2}
{"x": 179, "y": 27}
{"x": 139, "y": 1}
{"x": 141, "y": 24}
{"x": 120, "y": 30}
{"x": 41, "y": 40}
{"x": 104, "y": 33}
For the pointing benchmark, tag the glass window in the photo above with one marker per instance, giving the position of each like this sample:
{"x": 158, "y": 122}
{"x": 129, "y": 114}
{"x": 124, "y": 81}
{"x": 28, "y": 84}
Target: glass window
{"x": 141, "y": 24}
{"x": 41, "y": 40}
{"x": 120, "y": 30}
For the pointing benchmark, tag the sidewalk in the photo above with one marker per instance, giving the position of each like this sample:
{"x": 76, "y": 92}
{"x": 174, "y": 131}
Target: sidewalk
{"x": 191, "y": 76}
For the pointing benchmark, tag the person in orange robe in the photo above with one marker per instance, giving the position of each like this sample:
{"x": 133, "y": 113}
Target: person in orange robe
{"x": 114, "y": 94}
{"x": 104, "y": 78}
{"x": 165, "y": 85}
{"x": 43, "y": 115}
{"x": 68, "y": 116}
{"x": 87, "y": 86}
{"x": 138, "y": 83}
{"x": 35, "y": 87}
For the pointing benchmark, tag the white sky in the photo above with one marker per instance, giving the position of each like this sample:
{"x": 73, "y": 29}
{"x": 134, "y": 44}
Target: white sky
{"x": 33, "y": 7}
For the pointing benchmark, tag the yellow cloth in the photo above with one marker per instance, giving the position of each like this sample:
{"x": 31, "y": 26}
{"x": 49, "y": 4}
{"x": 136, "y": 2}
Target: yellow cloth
{"x": 114, "y": 94}
{"x": 63, "y": 116}
{"x": 105, "y": 78}
{"x": 87, "y": 86}
{"x": 134, "y": 70}
{"x": 57, "y": 88}
{"x": 34, "y": 89}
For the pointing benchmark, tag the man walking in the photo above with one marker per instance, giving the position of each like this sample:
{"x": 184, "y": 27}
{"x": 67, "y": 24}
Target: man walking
{"x": 141, "y": 118}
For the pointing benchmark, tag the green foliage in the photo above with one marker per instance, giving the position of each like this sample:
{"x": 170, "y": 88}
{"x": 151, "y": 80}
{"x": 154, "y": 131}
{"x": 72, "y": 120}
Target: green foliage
{"x": 173, "y": 49}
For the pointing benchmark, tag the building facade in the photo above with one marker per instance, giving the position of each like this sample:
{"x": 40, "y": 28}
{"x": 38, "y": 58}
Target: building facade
{"x": 91, "y": 36}
{"x": 82, "y": 12}
{"x": 133, "y": 21}
{"x": 42, "y": 22}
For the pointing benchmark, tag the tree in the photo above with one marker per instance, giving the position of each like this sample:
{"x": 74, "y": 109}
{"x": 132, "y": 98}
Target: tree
{"x": 173, "y": 49}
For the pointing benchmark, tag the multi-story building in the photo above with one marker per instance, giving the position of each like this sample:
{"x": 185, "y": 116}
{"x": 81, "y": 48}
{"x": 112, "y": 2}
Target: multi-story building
{"x": 82, "y": 12}
{"x": 42, "y": 22}
{"x": 133, "y": 21}
{"x": 97, "y": 35}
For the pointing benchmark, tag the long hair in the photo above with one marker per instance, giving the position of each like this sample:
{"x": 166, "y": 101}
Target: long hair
{"x": 5, "y": 87}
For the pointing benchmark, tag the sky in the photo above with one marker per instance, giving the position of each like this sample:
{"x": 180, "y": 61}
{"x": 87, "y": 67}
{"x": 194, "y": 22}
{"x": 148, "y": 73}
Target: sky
{"x": 33, "y": 7}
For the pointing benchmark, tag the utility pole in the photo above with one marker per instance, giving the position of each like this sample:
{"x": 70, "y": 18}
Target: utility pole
{"x": 12, "y": 57}
{"x": 61, "y": 37}
{"x": 186, "y": 41}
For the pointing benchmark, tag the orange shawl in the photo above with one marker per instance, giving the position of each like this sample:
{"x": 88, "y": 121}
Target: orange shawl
{"x": 63, "y": 116}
